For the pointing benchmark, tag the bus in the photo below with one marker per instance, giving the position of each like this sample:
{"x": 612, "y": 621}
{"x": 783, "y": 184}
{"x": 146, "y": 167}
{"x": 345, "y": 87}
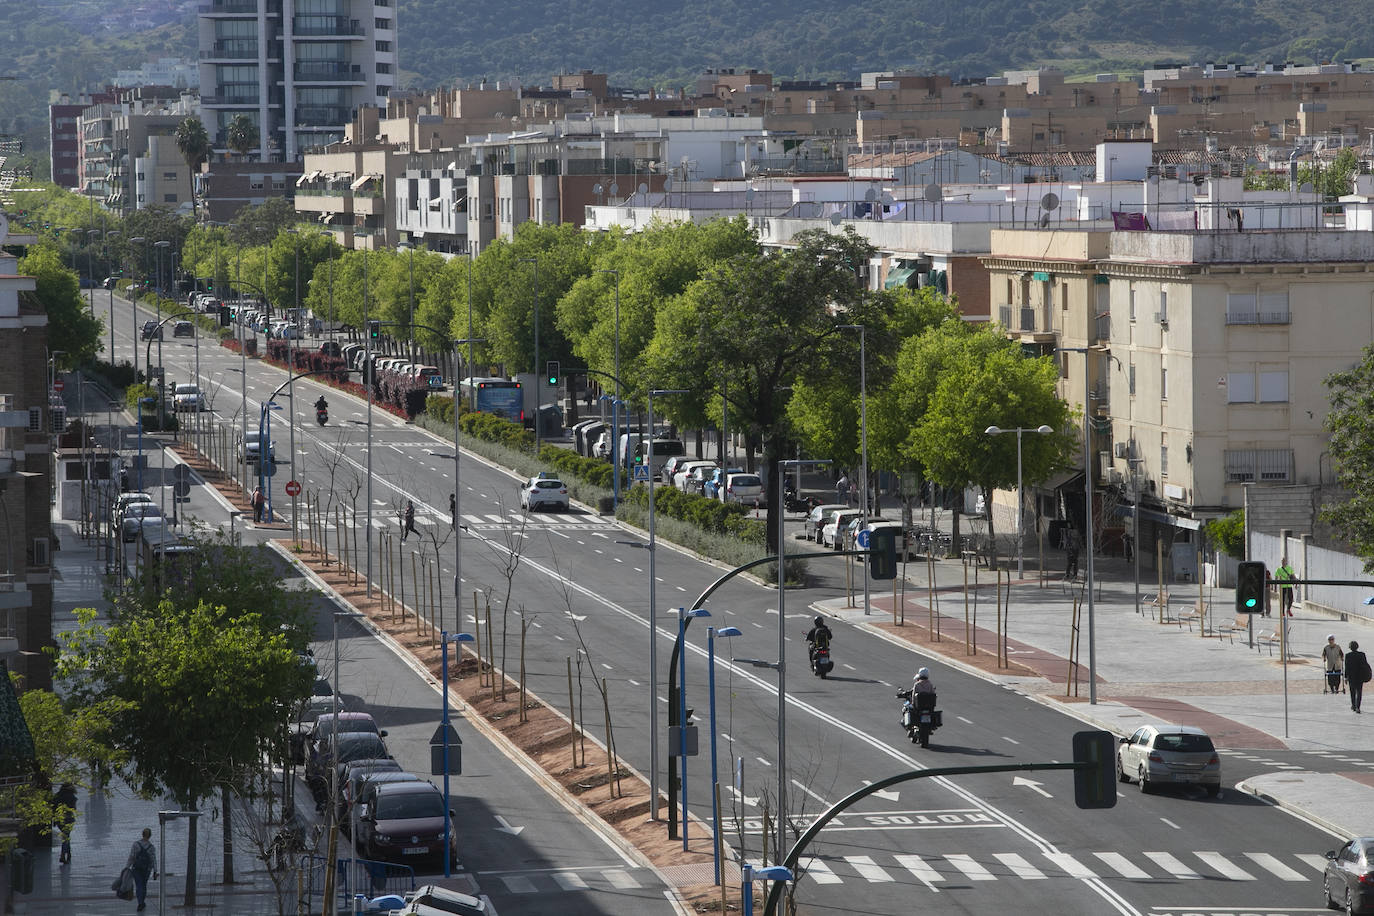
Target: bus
{"x": 503, "y": 397}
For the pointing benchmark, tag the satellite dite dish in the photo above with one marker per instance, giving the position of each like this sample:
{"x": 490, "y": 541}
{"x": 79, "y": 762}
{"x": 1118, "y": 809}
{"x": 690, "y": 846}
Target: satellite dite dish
{"x": 643, "y": 188}
{"x": 870, "y": 195}
{"x": 933, "y": 192}
{"x": 667, "y": 184}
{"x": 1050, "y": 201}
{"x": 836, "y": 219}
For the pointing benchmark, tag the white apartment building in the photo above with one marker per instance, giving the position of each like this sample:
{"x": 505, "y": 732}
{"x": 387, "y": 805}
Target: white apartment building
{"x": 297, "y": 68}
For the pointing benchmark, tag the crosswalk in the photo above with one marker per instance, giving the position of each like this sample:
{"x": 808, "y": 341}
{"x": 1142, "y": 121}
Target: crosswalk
{"x": 386, "y": 519}
{"x": 933, "y": 869}
{"x": 554, "y": 880}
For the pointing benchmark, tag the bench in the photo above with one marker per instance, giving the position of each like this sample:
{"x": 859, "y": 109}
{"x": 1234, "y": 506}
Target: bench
{"x": 1241, "y": 624}
{"x": 1193, "y": 614}
{"x": 1160, "y": 601}
{"x": 1267, "y": 639}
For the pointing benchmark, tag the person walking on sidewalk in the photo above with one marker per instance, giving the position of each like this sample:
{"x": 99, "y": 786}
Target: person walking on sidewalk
{"x": 408, "y": 520}
{"x": 1356, "y": 674}
{"x": 259, "y": 502}
{"x": 1284, "y": 574}
{"x": 1334, "y": 661}
{"x": 143, "y": 863}
{"x": 452, "y": 510}
{"x": 1071, "y": 554}
{"x": 64, "y": 816}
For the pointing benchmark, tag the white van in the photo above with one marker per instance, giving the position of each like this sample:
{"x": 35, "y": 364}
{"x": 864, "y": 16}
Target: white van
{"x": 658, "y": 451}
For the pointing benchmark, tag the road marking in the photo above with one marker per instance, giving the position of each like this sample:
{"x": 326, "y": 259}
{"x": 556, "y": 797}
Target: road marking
{"x": 1272, "y": 865}
{"x": 1172, "y": 865}
{"x": 680, "y": 588}
{"x": 517, "y": 885}
{"x": 1019, "y": 866}
{"x": 607, "y": 667}
{"x": 759, "y": 625}
{"x": 819, "y": 872}
{"x": 1122, "y": 866}
{"x": 632, "y": 682}
{"x": 617, "y": 559}
{"x": 1224, "y": 866}
{"x": 923, "y": 872}
{"x": 620, "y": 880}
{"x": 885, "y": 684}
{"x": 1171, "y": 823}
{"x": 1030, "y": 784}
{"x": 662, "y": 699}
{"x": 497, "y": 518}
{"x": 638, "y": 570}
{"x": 1012, "y": 740}
{"x": 1071, "y": 866}
{"x": 570, "y": 881}
{"x": 762, "y": 761}
{"x": 848, "y": 667}
{"x": 807, "y": 789}
{"x": 868, "y": 869}
{"x": 1316, "y": 861}
{"x": 559, "y": 638}
{"x": 971, "y": 869}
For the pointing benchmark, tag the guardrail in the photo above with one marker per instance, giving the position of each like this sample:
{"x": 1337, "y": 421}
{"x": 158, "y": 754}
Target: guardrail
{"x": 365, "y": 876}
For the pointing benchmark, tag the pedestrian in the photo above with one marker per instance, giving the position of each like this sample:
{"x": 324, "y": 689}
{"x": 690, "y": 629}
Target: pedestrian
{"x": 143, "y": 863}
{"x": 1071, "y": 554}
{"x": 1356, "y": 674}
{"x": 1284, "y": 574}
{"x": 64, "y": 816}
{"x": 842, "y": 490}
{"x": 259, "y": 503}
{"x": 1333, "y": 660}
{"x": 408, "y": 520}
{"x": 452, "y": 510}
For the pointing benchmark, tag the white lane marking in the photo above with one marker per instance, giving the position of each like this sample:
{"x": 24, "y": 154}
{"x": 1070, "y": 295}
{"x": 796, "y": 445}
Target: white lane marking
{"x": 726, "y": 736}
{"x": 473, "y": 519}
{"x": 617, "y": 559}
{"x": 923, "y": 872}
{"x": 1012, "y": 740}
{"x": 632, "y": 682}
{"x": 807, "y": 789}
{"x": 1122, "y": 865}
{"x": 604, "y": 665}
{"x": 1224, "y": 866}
{"x": 559, "y": 638}
{"x": 517, "y": 885}
{"x": 963, "y": 720}
{"x": 971, "y": 869}
{"x": 1072, "y": 867}
{"x": 868, "y": 869}
{"x": 497, "y": 518}
{"x": 680, "y": 588}
{"x": 1271, "y": 864}
{"x": 819, "y": 872}
{"x": 638, "y": 569}
{"x": 1172, "y": 865}
{"x": 620, "y": 880}
{"x": 1171, "y": 823}
{"x": 570, "y": 881}
{"x": 566, "y": 537}
{"x": 763, "y": 761}
{"x": 1314, "y": 860}
{"x": 885, "y": 683}
{"x": 662, "y": 699}
{"x": 759, "y": 625}
{"x": 1019, "y": 866}
{"x": 848, "y": 667}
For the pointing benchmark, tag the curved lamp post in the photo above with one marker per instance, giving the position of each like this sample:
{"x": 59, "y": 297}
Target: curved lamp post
{"x": 1020, "y": 540}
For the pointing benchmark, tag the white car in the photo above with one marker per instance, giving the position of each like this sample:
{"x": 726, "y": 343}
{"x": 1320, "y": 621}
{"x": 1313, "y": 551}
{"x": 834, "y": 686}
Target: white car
{"x": 683, "y": 476}
{"x": 1178, "y": 754}
{"x": 835, "y": 524}
{"x": 743, "y": 488}
{"x": 252, "y": 448}
{"x": 544, "y": 493}
{"x": 812, "y": 526}
{"x": 124, "y": 500}
{"x": 135, "y": 516}
{"x": 188, "y": 397}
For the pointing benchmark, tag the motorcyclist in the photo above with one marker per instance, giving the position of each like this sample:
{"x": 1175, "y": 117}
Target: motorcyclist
{"x": 923, "y": 683}
{"x": 818, "y": 637}
{"x": 322, "y": 405}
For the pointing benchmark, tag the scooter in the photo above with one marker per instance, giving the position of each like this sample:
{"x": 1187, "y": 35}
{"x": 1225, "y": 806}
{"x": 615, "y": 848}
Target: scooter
{"x": 821, "y": 665}
{"x": 321, "y": 415}
{"x": 920, "y": 717}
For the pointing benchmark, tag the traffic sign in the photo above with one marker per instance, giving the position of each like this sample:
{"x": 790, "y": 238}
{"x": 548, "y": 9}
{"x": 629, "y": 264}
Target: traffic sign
{"x": 181, "y": 489}
{"x": 641, "y": 472}
{"x": 862, "y": 538}
{"x": 181, "y": 472}
{"x": 58, "y": 384}
{"x": 293, "y": 488}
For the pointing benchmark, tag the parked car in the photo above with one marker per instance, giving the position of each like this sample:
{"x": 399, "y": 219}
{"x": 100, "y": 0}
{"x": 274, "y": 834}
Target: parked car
{"x": 835, "y": 524}
{"x": 432, "y": 899}
{"x": 903, "y": 540}
{"x": 811, "y": 528}
{"x": 347, "y": 722}
{"x": 252, "y": 448}
{"x": 402, "y": 821}
{"x": 109, "y": 283}
{"x": 682, "y": 477}
{"x": 672, "y": 466}
{"x": 357, "y": 779}
{"x": 1348, "y": 882}
{"x": 544, "y": 493}
{"x": 744, "y": 488}
{"x": 1180, "y": 754}
{"x": 188, "y": 397}
{"x": 135, "y": 516}
{"x": 124, "y": 500}
{"x": 346, "y": 747}
{"x": 712, "y": 485}
{"x": 851, "y": 531}
{"x": 331, "y": 348}
{"x": 183, "y": 329}
{"x": 151, "y": 330}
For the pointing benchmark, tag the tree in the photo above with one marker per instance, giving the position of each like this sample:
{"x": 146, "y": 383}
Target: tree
{"x": 71, "y": 328}
{"x": 1351, "y": 424}
{"x": 241, "y": 135}
{"x": 1227, "y": 534}
{"x": 258, "y": 224}
{"x": 751, "y": 326}
{"x": 194, "y": 144}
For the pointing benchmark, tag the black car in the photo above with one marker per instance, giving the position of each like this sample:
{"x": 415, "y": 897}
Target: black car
{"x": 402, "y": 822}
{"x": 1349, "y": 879}
{"x": 183, "y": 329}
{"x": 152, "y": 330}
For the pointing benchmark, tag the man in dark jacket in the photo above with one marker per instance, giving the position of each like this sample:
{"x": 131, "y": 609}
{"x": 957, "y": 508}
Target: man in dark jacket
{"x": 1356, "y": 673}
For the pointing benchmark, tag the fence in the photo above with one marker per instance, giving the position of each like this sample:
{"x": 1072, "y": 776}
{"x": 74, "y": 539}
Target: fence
{"x": 1311, "y": 562}
{"x": 361, "y": 876}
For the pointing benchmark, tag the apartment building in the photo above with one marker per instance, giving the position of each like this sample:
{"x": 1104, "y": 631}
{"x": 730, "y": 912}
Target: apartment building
{"x": 297, "y": 68}
{"x": 65, "y": 137}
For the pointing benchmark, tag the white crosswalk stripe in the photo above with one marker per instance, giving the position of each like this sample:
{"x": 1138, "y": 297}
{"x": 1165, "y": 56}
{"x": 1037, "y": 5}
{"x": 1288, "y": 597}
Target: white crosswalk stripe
{"x": 1316, "y": 861}
{"x": 1072, "y": 867}
{"x": 1122, "y": 866}
{"x": 621, "y": 880}
{"x": 821, "y": 873}
{"x": 570, "y": 881}
{"x": 1172, "y": 865}
{"x": 918, "y": 867}
{"x": 1225, "y": 867}
{"x": 971, "y": 869}
{"x": 1271, "y": 864}
{"x": 518, "y": 885}
{"x": 1019, "y": 866}
{"x": 868, "y": 869}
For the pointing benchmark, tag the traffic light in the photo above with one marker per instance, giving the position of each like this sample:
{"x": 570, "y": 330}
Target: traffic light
{"x": 1094, "y": 786}
{"x": 552, "y": 373}
{"x": 374, "y": 330}
{"x": 1250, "y": 587}
{"x": 882, "y": 553}
{"x": 226, "y": 315}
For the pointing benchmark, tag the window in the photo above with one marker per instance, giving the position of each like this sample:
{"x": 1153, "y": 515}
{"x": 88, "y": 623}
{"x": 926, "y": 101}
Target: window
{"x": 1133, "y": 303}
{"x": 1163, "y": 383}
{"x": 169, "y": 176}
{"x": 1163, "y": 456}
{"x": 384, "y": 68}
{"x": 169, "y": 198}
{"x": 381, "y": 24}
{"x": 1268, "y": 307}
{"x": 1240, "y": 308}
{"x": 1130, "y": 379}
{"x": 278, "y": 183}
{"x": 1163, "y": 306}
{"x": 1240, "y": 388}
{"x": 383, "y": 46}
{"x": 1273, "y": 387}
{"x": 1064, "y": 296}
{"x": 1258, "y": 465}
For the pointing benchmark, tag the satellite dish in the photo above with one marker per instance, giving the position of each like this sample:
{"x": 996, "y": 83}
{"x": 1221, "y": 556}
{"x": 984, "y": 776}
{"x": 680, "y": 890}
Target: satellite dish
{"x": 643, "y": 188}
{"x": 1050, "y": 201}
{"x": 836, "y": 219}
{"x": 597, "y": 189}
{"x": 749, "y": 195}
{"x": 933, "y": 192}
{"x": 615, "y": 188}
{"x": 1044, "y": 220}
{"x": 667, "y": 184}
{"x": 888, "y": 199}
{"x": 870, "y": 195}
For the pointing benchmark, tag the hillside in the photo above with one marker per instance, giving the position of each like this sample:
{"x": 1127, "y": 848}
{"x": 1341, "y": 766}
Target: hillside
{"x": 74, "y": 44}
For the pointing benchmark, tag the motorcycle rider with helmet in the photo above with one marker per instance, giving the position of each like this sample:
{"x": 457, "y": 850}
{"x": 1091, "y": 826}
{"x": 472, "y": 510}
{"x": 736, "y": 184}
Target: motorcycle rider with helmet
{"x": 818, "y": 637}
{"x": 923, "y": 683}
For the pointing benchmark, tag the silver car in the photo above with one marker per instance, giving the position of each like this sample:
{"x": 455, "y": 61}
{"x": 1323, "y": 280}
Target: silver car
{"x": 1179, "y": 754}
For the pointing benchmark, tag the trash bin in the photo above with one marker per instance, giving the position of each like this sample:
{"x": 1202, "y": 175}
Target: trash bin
{"x": 605, "y": 505}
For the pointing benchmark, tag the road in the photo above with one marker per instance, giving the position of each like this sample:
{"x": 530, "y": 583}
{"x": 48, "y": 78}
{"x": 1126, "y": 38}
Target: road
{"x": 967, "y": 845}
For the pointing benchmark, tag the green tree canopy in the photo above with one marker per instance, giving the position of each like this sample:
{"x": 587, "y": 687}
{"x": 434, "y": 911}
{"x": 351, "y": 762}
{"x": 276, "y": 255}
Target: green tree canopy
{"x": 71, "y": 328}
{"x": 241, "y": 135}
{"x": 194, "y": 144}
{"x": 1351, "y": 424}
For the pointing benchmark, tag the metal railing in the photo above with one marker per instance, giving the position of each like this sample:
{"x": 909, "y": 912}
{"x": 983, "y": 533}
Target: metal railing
{"x": 364, "y": 877}
{"x": 1259, "y": 317}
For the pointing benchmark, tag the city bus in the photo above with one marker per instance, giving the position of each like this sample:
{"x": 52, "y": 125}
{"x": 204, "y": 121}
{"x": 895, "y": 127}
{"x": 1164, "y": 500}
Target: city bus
{"x": 503, "y": 397}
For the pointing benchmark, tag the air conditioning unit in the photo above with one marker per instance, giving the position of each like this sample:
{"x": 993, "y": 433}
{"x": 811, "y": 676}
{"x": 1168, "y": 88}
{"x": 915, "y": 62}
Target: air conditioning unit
{"x": 1162, "y": 318}
{"x": 1122, "y": 449}
{"x": 1113, "y": 476}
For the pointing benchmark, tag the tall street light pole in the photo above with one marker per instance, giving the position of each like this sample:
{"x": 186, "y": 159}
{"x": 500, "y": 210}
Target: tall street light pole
{"x": 1020, "y": 499}
{"x": 653, "y": 613}
{"x": 295, "y": 323}
{"x": 682, "y": 616}
{"x": 90, "y": 268}
{"x": 368, "y": 373}
{"x": 106, "y": 247}
{"x": 457, "y": 502}
{"x": 1088, "y": 513}
{"x": 538, "y": 378}
{"x": 1135, "y": 464}
{"x": 615, "y": 481}
{"x": 444, "y": 639}
{"x": 711, "y": 634}
{"x": 142, "y": 242}
{"x": 863, "y": 439}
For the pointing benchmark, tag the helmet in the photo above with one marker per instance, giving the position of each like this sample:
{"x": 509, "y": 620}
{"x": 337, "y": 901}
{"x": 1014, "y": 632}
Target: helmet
{"x": 820, "y": 622}
{"x": 923, "y": 674}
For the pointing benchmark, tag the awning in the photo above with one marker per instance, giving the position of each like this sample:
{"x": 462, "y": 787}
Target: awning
{"x": 434, "y": 203}
{"x": 302, "y": 180}
{"x": 360, "y": 182}
{"x": 897, "y": 277}
{"x": 1058, "y": 481}
{"x": 1160, "y": 518}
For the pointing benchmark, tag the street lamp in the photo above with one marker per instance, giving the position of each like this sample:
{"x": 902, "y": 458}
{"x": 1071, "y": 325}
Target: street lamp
{"x": 614, "y": 450}
{"x": 538, "y": 379}
{"x": 1088, "y": 514}
{"x": 162, "y": 818}
{"x": 1135, "y": 464}
{"x": 90, "y": 269}
{"x": 444, "y": 640}
{"x": 108, "y": 234}
{"x": 141, "y": 402}
{"x": 863, "y": 438}
{"x": 615, "y": 490}
{"x": 142, "y": 241}
{"x": 1020, "y": 500}
{"x": 682, "y": 616}
{"x": 770, "y": 873}
{"x": 711, "y": 634}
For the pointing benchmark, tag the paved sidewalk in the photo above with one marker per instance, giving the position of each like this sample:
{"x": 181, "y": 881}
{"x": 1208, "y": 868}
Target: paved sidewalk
{"x": 1152, "y": 672}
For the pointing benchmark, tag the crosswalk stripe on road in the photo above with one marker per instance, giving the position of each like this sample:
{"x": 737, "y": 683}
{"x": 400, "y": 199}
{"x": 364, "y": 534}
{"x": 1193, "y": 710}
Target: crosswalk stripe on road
{"x": 1071, "y": 866}
{"x": 818, "y": 871}
{"x": 1172, "y": 865}
{"x": 1122, "y": 865}
{"x": 1272, "y": 864}
{"x": 869, "y": 869}
{"x": 1225, "y": 867}
{"x": 971, "y": 869}
{"x": 1019, "y": 866}
{"x": 570, "y": 881}
{"x": 621, "y": 880}
{"x": 918, "y": 867}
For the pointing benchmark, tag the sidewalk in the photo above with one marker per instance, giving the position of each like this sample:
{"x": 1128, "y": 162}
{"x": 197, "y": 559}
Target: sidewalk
{"x": 1150, "y": 672}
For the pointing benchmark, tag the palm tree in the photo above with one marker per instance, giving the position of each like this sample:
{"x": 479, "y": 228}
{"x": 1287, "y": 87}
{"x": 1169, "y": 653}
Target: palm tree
{"x": 194, "y": 144}
{"x": 242, "y": 135}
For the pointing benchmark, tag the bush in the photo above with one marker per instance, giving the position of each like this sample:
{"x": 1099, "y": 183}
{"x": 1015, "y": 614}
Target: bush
{"x": 707, "y": 514}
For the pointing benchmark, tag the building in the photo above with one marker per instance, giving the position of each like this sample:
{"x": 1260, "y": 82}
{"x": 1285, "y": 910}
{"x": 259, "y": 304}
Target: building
{"x": 25, "y": 453}
{"x": 226, "y": 187}
{"x": 65, "y": 140}
{"x": 297, "y": 68}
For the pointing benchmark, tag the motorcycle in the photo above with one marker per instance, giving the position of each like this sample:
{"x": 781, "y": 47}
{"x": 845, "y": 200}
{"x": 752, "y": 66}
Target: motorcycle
{"x": 821, "y": 665}
{"x": 794, "y": 503}
{"x": 919, "y": 716}
{"x": 321, "y": 415}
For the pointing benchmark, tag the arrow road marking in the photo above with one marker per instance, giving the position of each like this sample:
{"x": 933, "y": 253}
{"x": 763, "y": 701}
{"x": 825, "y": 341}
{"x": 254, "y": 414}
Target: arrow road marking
{"x": 884, "y": 793}
{"x": 1034, "y": 786}
{"x": 506, "y": 827}
{"x": 751, "y": 800}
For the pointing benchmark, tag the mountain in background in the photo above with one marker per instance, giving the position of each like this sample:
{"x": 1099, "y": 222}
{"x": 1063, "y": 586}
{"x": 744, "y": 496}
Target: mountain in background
{"x": 79, "y": 44}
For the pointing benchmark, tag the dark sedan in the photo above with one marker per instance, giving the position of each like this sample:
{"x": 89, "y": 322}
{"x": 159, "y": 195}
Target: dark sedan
{"x": 1348, "y": 883}
{"x": 402, "y": 821}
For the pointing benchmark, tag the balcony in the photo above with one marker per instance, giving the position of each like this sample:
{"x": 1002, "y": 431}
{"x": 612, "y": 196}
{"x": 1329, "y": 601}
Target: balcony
{"x": 1102, "y": 329}
{"x": 327, "y": 71}
{"x": 230, "y": 7}
{"x": 221, "y": 52}
{"x": 234, "y": 100}
{"x": 1259, "y": 317}
{"x": 325, "y": 26}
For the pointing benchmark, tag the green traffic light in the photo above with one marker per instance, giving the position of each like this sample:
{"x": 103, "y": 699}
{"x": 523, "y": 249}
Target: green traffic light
{"x": 1250, "y": 602}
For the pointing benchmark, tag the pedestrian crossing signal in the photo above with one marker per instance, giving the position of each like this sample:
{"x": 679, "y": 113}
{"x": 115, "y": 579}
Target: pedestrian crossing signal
{"x": 1250, "y": 587}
